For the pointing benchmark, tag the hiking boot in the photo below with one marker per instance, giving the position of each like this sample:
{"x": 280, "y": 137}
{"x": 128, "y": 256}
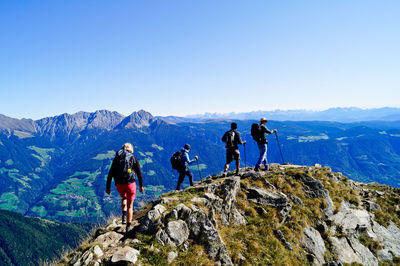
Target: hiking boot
{"x": 256, "y": 169}
{"x": 266, "y": 167}
{"x": 123, "y": 219}
{"x": 128, "y": 227}
{"x": 225, "y": 174}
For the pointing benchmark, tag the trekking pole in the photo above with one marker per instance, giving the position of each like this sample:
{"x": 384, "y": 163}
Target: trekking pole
{"x": 245, "y": 164}
{"x": 198, "y": 167}
{"x": 279, "y": 145}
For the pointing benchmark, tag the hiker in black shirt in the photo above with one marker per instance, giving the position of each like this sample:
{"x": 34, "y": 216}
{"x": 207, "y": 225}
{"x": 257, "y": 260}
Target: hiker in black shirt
{"x": 232, "y": 139}
{"x": 125, "y": 180}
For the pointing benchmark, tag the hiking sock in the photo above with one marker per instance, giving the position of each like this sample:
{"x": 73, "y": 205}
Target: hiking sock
{"x": 123, "y": 217}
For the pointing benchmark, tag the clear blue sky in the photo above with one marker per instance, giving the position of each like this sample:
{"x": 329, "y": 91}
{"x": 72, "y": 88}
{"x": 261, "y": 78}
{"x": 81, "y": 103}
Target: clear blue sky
{"x": 185, "y": 57}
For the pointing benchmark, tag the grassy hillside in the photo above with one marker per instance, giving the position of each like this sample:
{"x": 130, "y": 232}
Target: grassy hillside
{"x": 31, "y": 241}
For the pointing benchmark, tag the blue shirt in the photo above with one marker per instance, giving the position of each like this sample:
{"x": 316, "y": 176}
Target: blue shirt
{"x": 185, "y": 156}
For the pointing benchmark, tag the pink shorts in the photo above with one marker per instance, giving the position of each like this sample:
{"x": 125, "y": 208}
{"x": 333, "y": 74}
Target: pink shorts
{"x": 127, "y": 191}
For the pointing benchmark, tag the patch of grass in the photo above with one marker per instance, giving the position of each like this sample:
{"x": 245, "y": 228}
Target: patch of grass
{"x": 40, "y": 211}
{"x": 382, "y": 218}
{"x": 196, "y": 168}
{"x": 43, "y": 154}
{"x": 155, "y": 146}
{"x": 145, "y": 161}
{"x": 338, "y": 191}
{"x": 195, "y": 255}
{"x": 105, "y": 156}
{"x": 151, "y": 172}
{"x": 9, "y": 201}
{"x": 371, "y": 244}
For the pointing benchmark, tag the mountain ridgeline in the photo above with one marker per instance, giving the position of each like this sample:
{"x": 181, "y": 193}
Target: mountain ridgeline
{"x": 290, "y": 215}
{"x": 56, "y": 167}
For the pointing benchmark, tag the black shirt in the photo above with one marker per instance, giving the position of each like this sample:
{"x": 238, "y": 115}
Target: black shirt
{"x": 236, "y": 139}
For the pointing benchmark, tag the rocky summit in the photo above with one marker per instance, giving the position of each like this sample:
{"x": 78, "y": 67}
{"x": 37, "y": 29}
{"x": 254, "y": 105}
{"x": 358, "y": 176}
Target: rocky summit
{"x": 289, "y": 215}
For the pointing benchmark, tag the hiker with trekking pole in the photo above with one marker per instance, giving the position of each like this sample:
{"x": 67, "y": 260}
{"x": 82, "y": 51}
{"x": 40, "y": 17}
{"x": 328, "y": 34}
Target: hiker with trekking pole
{"x": 232, "y": 139}
{"x": 180, "y": 161}
{"x": 259, "y": 133}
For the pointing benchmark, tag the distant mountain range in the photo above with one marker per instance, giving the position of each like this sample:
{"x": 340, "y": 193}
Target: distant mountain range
{"x": 56, "y": 167}
{"x": 348, "y": 114}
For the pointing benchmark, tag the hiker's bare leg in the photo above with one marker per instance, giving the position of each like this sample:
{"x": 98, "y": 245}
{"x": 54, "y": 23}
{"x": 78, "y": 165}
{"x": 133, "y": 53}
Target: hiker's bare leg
{"x": 130, "y": 210}
{"x": 123, "y": 204}
{"x": 237, "y": 165}
{"x": 226, "y": 167}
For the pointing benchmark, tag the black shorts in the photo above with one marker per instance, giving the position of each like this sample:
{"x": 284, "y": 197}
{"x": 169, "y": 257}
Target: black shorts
{"x": 232, "y": 154}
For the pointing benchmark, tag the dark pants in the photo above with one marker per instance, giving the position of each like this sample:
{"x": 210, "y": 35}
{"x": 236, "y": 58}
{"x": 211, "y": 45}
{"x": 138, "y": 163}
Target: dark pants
{"x": 182, "y": 174}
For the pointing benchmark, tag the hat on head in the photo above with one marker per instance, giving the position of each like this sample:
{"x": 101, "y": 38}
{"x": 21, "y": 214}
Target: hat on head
{"x": 263, "y": 120}
{"x": 187, "y": 146}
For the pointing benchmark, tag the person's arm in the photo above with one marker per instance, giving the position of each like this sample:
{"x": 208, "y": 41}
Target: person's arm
{"x": 109, "y": 177}
{"x": 186, "y": 158}
{"x": 224, "y": 137}
{"x": 266, "y": 130}
{"x": 138, "y": 171}
{"x": 239, "y": 139}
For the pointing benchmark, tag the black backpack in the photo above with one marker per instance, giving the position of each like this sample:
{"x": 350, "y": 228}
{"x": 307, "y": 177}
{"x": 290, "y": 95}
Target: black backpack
{"x": 256, "y": 132}
{"x": 229, "y": 139}
{"x": 176, "y": 160}
{"x": 125, "y": 161}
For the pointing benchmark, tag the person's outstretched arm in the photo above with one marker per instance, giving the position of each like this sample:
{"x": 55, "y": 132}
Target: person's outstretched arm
{"x": 186, "y": 158}
{"x": 239, "y": 139}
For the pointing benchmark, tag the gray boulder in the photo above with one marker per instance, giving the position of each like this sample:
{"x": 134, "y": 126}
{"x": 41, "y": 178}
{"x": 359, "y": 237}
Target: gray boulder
{"x": 370, "y": 206}
{"x": 125, "y": 255}
{"x": 203, "y": 232}
{"x": 109, "y": 239}
{"x": 226, "y": 205}
{"x": 171, "y": 256}
{"x": 315, "y": 189}
{"x": 342, "y": 249}
{"x": 354, "y": 222}
{"x": 163, "y": 238}
{"x": 150, "y": 222}
{"x": 183, "y": 211}
{"x": 178, "y": 231}
{"x": 265, "y": 197}
{"x": 314, "y": 245}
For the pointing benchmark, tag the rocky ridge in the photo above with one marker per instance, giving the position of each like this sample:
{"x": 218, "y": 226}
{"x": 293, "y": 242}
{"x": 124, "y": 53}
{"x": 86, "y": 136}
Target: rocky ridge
{"x": 72, "y": 124}
{"x": 289, "y": 215}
